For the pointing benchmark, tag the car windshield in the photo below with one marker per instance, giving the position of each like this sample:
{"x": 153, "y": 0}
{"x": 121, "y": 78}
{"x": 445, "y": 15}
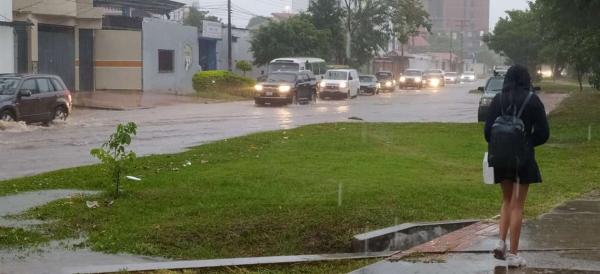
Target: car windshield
{"x": 433, "y": 72}
{"x": 284, "y": 67}
{"x": 412, "y": 73}
{"x": 469, "y": 73}
{"x": 336, "y": 75}
{"x": 8, "y": 86}
{"x": 367, "y": 78}
{"x": 451, "y": 74}
{"x": 384, "y": 75}
{"x": 494, "y": 85}
{"x": 281, "y": 77}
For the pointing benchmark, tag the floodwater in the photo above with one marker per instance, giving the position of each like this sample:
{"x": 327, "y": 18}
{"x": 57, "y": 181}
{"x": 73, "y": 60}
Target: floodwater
{"x": 57, "y": 256}
{"x": 173, "y": 128}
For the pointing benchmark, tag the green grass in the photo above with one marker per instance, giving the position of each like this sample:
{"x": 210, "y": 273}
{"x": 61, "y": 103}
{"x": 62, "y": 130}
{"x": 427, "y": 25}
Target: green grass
{"x": 19, "y": 238}
{"x": 275, "y": 193}
{"x": 562, "y": 86}
{"x": 227, "y": 95}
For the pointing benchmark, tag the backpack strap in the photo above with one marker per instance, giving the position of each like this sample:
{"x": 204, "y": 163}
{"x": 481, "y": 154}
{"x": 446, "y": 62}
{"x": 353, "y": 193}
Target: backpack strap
{"x": 525, "y": 104}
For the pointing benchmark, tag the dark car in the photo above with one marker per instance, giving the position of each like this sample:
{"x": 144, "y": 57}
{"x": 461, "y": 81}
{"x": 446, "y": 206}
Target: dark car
{"x": 492, "y": 87}
{"x": 386, "y": 80}
{"x": 369, "y": 84}
{"x": 286, "y": 87}
{"x": 33, "y": 98}
{"x": 411, "y": 78}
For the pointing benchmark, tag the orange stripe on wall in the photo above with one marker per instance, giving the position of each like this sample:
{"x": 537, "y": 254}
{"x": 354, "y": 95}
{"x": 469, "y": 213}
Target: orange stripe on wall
{"x": 120, "y": 64}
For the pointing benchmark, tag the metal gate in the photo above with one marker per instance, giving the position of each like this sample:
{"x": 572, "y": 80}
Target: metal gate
{"x": 56, "y": 52}
{"x": 21, "y": 51}
{"x": 86, "y": 59}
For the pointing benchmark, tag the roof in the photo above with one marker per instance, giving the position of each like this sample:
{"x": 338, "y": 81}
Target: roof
{"x": 298, "y": 59}
{"x": 152, "y": 6}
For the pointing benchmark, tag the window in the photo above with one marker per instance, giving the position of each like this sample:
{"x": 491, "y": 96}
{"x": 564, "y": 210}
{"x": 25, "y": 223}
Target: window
{"x": 30, "y": 85}
{"x": 44, "y": 85}
{"x": 57, "y": 85}
{"x": 165, "y": 61}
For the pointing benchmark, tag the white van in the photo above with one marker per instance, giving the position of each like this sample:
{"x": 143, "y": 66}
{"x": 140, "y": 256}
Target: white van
{"x": 316, "y": 65}
{"x": 338, "y": 83}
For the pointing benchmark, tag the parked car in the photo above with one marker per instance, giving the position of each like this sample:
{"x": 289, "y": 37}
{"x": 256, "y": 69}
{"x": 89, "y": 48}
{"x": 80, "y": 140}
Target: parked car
{"x": 451, "y": 77}
{"x": 339, "y": 83}
{"x": 411, "y": 78}
{"x": 492, "y": 87}
{"x": 468, "y": 76}
{"x": 434, "y": 78}
{"x": 386, "y": 80}
{"x": 33, "y": 98}
{"x": 286, "y": 87}
{"x": 369, "y": 84}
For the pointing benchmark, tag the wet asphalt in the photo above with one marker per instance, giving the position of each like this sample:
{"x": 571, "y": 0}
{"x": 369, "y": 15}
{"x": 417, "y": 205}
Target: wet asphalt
{"x": 32, "y": 149}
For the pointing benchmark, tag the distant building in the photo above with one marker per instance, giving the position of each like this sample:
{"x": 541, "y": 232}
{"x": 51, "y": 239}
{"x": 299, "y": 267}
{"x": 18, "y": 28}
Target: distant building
{"x": 7, "y": 44}
{"x": 468, "y": 19}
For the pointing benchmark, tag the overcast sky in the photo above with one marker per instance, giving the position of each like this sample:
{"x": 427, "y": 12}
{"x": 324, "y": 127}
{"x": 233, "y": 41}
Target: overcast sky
{"x": 244, "y": 9}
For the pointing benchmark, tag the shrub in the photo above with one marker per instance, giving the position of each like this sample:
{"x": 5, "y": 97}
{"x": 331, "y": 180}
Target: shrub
{"x": 243, "y": 66}
{"x": 219, "y": 81}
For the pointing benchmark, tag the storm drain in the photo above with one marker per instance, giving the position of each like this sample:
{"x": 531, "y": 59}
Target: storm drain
{"x": 405, "y": 236}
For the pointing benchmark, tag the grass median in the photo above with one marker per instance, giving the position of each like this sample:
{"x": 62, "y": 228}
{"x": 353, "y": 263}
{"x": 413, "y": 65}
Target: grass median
{"x": 276, "y": 193}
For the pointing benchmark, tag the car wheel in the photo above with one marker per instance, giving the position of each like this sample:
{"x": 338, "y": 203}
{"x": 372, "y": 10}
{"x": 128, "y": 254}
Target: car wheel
{"x": 60, "y": 113}
{"x": 7, "y": 116}
{"x": 294, "y": 99}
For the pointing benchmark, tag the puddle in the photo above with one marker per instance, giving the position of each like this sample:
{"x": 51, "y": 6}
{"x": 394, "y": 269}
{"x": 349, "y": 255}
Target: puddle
{"x": 56, "y": 256}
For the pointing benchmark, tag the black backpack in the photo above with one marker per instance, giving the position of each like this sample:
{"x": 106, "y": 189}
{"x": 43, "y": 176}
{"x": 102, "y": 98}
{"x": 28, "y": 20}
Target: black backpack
{"x": 508, "y": 147}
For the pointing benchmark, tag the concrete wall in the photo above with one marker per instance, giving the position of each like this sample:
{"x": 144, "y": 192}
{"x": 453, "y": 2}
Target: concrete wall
{"x": 118, "y": 60}
{"x": 7, "y": 43}
{"x": 162, "y": 35}
{"x": 240, "y": 51}
{"x": 68, "y": 8}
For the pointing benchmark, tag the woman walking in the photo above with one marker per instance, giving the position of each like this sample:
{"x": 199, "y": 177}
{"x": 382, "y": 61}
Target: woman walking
{"x": 516, "y": 96}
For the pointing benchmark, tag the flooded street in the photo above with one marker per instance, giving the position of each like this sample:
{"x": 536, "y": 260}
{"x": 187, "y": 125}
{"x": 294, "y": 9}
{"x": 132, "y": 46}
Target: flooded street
{"x": 34, "y": 149}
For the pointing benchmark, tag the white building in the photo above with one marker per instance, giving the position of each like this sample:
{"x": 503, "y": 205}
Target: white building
{"x": 7, "y": 44}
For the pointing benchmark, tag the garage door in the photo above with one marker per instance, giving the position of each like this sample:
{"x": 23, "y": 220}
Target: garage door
{"x": 56, "y": 52}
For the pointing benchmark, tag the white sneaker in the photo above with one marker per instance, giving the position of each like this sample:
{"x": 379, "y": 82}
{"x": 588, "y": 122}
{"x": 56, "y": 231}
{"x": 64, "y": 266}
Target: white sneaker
{"x": 500, "y": 250}
{"x": 515, "y": 261}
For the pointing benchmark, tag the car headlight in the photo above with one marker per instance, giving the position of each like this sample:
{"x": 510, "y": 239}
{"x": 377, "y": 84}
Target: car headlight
{"x": 435, "y": 82}
{"x": 394, "y": 82}
{"x": 285, "y": 89}
{"x": 486, "y": 101}
{"x": 402, "y": 79}
{"x": 258, "y": 87}
{"x": 378, "y": 85}
{"x": 322, "y": 84}
{"x": 343, "y": 85}
{"x": 388, "y": 84}
{"x": 417, "y": 79}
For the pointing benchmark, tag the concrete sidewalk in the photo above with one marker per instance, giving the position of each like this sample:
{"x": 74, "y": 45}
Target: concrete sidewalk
{"x": 565, "y": 240}
{"x": 127, "y": 100}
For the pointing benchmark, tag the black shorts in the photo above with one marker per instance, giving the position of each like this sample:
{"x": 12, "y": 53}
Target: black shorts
{"x": 528, "y": 174}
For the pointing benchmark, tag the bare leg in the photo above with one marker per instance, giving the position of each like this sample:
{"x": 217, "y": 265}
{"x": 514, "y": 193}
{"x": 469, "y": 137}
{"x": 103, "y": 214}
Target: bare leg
{"x": 507, "y": 194}
{"x": 516, "y": 216}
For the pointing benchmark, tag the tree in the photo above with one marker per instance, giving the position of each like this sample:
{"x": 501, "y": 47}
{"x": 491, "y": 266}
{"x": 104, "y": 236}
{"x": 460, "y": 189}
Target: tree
{"x": 243, "y": 66}
{"x": 195, "y": 18}
{"x": 517, "y": 37}
{"x": 326, "y": 15}
{"x": 296, "y": 36}
{"x": 367, "y": 23}
{"x": 408, "y": 18}
{"x": 257, "y": 21}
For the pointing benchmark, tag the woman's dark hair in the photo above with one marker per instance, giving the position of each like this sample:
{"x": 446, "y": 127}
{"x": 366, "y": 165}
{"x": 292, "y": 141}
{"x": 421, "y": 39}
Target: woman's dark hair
{"x": 517, "y": 78}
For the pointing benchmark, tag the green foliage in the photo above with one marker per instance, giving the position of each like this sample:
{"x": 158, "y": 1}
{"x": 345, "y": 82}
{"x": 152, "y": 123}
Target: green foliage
{"x": 517, "y": 37}
{"x": 256, "y": 21}
{"x": 296, "y": 36}
{"x": 408, "y": 18}
{"x": 369, "y": 29}
{"x": 219, "y": 80}
{"x": 243, "y": 66}
{"x": 195, "y": 18}
{"x": 113, "y": 153}
{"x": 326, "y": 15}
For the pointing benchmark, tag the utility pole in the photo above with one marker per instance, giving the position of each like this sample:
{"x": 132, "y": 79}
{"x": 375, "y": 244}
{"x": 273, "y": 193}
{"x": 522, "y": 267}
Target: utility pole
{"x": 229, "y": 54}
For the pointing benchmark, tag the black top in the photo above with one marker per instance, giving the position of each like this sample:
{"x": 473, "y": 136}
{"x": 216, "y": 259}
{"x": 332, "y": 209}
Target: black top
{"x": 534, "y": 116}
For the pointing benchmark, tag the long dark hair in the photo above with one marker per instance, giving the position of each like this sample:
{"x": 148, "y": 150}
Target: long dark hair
{"x": 517, "y": 79}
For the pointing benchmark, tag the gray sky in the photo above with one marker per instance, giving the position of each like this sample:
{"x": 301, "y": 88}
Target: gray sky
{"x": 244, "y": 9}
